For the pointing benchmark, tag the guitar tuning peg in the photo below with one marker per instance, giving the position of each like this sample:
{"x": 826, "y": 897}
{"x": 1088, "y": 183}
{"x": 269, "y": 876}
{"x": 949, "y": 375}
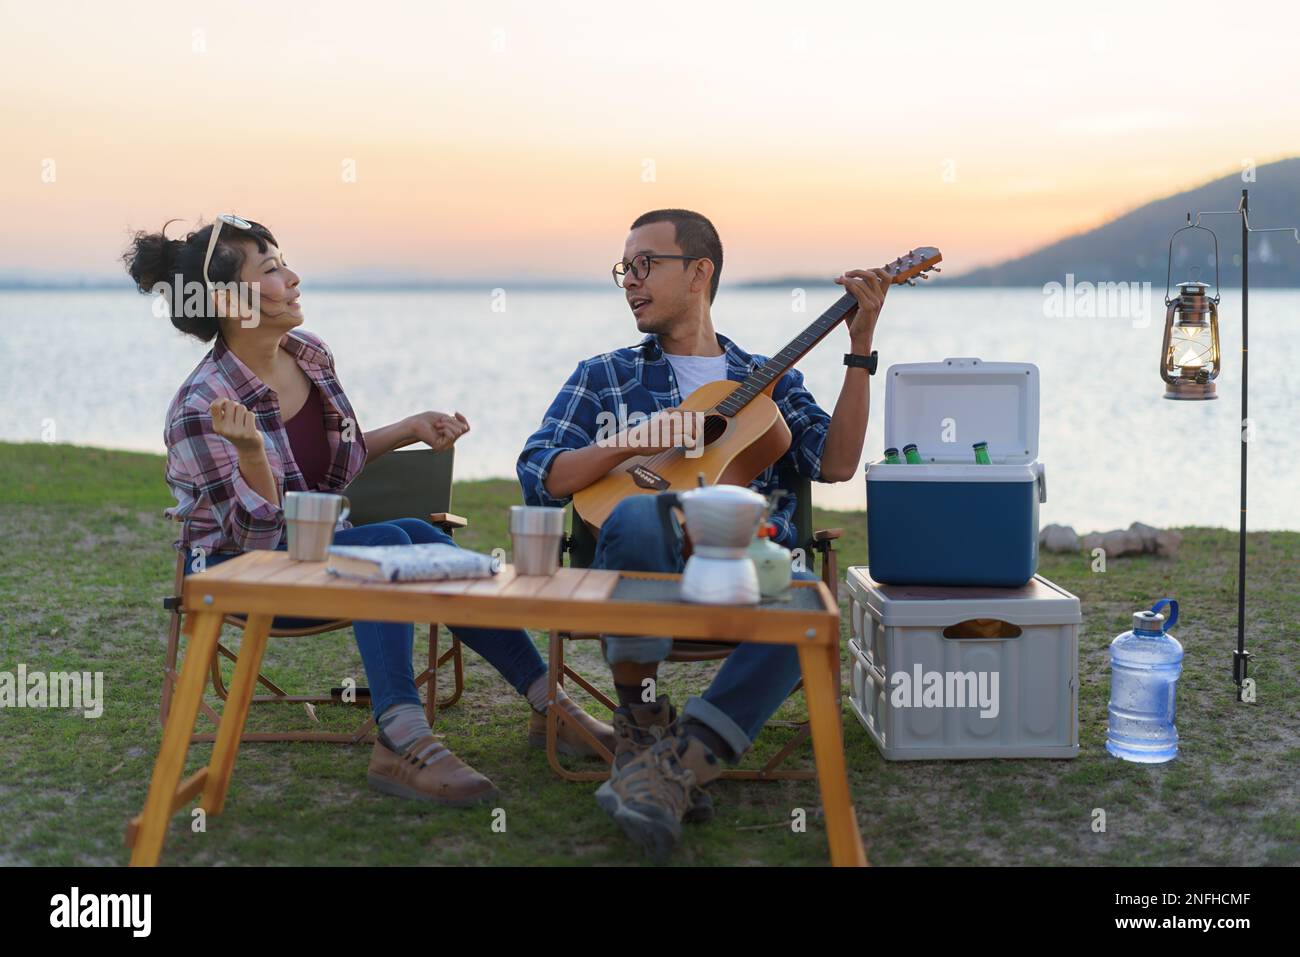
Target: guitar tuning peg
{"x": 924, "y": 275}
{"x": 936, "y": 269}
{"x": 911, "y": 282}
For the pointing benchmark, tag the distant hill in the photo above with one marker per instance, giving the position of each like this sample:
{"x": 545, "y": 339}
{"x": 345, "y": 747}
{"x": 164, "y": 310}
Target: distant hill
{"x": 1135, "y": 247}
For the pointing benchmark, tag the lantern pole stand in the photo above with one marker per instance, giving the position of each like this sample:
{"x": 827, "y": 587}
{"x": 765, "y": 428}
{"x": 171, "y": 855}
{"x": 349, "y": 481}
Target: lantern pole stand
{"x": 1241, "y": 657}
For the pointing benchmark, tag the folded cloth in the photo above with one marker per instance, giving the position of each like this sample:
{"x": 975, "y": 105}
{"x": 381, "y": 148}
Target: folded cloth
{"x": 432, "y": 561}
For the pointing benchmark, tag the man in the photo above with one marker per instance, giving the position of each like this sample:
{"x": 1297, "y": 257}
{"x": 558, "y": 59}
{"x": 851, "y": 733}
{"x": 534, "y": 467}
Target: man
{"x": 671, "y": 265}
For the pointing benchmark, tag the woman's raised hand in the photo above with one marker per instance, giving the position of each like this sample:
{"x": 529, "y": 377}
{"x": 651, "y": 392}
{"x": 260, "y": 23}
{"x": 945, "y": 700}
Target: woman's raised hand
{"x": 233, "y": 422}
{"x": 437, "y": 429}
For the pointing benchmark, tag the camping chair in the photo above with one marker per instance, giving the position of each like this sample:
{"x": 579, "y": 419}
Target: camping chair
{"x": 397, "y": 485}
{"x": 581, "y": 546}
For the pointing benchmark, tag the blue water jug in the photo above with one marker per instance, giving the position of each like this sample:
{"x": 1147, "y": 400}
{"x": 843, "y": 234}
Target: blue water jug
{"x": 1144, "y": 667}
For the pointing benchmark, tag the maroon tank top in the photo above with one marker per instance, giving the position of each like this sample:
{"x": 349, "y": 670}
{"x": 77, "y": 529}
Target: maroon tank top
{"x": 311, "y": 450}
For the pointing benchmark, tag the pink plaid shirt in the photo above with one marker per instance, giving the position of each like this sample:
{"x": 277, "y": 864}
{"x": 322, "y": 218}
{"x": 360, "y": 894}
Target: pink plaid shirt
{"x": 220, "y": 511}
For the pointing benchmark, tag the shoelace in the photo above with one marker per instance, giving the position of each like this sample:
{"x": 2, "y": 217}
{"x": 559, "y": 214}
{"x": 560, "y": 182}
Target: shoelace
{"x": 655, "y": 732}
{"x": 667, "y": 758}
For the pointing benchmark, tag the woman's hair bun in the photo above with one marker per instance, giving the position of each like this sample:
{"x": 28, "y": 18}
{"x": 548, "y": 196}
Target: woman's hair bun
{"x": 150, "y": 259}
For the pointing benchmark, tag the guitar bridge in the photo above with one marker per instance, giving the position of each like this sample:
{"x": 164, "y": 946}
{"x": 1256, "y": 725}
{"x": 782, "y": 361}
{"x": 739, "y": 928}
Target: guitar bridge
{"x": 648, "y": 478}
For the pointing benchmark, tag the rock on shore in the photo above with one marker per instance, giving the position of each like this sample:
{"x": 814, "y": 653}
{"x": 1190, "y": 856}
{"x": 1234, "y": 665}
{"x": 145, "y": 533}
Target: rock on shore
{"x": 1137, "y": 539}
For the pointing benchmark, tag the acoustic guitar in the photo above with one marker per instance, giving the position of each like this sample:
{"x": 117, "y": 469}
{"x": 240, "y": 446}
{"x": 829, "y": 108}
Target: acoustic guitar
{"x": 743, "y": 430}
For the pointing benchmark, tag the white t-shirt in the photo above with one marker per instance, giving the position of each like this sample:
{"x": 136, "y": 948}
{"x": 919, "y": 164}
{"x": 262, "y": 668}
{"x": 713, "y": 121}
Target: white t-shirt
{"x": 692, "y": 372}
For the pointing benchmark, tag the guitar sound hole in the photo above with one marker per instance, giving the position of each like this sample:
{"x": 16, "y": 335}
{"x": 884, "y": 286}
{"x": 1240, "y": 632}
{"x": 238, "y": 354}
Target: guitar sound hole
{"x": 714, "y": 426}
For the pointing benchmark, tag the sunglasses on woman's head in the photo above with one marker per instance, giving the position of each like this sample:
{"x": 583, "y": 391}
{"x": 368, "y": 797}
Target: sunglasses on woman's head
{"x": 228, "y": 219}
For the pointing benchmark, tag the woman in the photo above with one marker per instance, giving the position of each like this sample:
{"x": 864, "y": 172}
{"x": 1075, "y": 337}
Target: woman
{"x": 263, "y": 414}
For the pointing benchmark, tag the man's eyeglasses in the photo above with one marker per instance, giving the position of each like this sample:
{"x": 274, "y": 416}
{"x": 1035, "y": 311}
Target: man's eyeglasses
{"x": 639, "y": 267}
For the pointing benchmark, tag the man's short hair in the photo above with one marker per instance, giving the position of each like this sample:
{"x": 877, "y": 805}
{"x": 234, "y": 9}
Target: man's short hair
{"x": 694, "y": 233}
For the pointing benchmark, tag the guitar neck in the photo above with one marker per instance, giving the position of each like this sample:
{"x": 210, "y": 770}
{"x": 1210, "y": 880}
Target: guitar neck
{"x": 779, "y": 364}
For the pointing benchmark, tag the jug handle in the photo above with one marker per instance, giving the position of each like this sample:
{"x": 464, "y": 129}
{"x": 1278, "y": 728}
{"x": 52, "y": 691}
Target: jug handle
{"x": 1173, "y": 605}
{"x": 666, "y": 502}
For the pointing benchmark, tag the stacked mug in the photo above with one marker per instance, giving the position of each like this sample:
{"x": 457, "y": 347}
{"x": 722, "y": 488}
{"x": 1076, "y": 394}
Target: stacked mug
{"x": 311, "y": 518}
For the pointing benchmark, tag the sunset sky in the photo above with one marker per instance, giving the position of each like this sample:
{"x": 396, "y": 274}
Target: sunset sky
{"x": 519, "y": 139}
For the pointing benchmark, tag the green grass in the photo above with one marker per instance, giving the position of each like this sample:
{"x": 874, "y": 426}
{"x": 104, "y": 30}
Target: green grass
{"x": 86, "y": 559}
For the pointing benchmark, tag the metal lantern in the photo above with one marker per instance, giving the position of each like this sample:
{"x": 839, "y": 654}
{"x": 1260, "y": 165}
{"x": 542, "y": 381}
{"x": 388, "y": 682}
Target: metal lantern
{"x": 1189, "y": 358}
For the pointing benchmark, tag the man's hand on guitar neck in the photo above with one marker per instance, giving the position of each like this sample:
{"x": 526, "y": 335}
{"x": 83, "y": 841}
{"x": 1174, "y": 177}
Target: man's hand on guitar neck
{"x": 868, "y": 287}
{"x": 848, "y": 429}
{"x": 578, "y": 468}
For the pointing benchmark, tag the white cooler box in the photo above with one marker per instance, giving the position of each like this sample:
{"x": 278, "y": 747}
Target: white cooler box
{"x": 948, "y": 643}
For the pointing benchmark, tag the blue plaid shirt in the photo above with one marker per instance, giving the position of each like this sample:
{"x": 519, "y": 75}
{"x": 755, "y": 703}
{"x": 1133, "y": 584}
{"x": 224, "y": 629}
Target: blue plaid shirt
{"x": 641, "y": 379}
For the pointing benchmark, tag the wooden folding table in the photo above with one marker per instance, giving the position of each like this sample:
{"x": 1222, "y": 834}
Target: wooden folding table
{"x": 263, "y": 584}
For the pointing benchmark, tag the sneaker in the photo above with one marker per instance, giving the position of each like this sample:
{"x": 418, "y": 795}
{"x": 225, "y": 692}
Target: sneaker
{"x": 427, "y": 771}
{"x": 567, "y": 739}
{"x": 650, "y": 795}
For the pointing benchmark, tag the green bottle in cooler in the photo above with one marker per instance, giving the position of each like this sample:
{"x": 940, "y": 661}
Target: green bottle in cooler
{"x": 982, "y": 454}
{"x": 911, "y": 454}
{"x": 891, "y": 457}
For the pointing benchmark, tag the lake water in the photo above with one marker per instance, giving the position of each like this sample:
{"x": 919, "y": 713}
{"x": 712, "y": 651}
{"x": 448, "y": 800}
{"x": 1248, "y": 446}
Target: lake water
{"x": 98, "y": 368}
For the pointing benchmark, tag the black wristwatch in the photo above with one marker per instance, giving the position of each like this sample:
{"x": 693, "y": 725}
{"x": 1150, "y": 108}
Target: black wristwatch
{"x": 862, "y": 362}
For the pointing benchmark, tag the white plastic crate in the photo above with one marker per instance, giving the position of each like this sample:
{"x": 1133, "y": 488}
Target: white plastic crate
{"x": 905, "y": 635}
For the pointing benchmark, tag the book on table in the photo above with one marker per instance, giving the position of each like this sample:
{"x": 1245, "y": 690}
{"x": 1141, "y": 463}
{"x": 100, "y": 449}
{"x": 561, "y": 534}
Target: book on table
{"x": 433, "y": 561}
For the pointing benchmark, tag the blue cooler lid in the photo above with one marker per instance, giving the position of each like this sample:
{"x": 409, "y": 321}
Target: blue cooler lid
{"x": 993, "y": 402}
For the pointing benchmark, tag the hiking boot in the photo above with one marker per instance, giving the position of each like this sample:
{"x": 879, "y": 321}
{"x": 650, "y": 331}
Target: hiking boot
{"x": 567, "y": 739}
{"x": 651, "y": 793}
{"x": 640, "y": 726}
{"x": 427, "y": 771}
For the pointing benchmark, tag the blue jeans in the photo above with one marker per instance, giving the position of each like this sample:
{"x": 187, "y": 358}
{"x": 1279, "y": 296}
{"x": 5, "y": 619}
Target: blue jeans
{"x": 754, "y": 679}
{"x": 386, "y": 646}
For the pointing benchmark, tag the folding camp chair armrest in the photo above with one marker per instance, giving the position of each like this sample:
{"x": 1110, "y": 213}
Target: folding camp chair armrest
{"x": 447, "y": 520}
{"x": 823, "y": 542}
